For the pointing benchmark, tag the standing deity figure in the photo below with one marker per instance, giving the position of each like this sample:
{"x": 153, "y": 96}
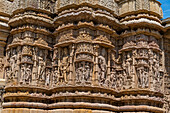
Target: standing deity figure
{"x": 87, "y": 68}
{"x": 41, "y": 69}
{"x": 102, "y": 67}
{"x": 142, "y": 77}
{"x": 13, "y": 60}
{"x": 120, "y": 80}
{"x": 79, "y": 72}
{"x": 48, "y": 76}
{"x": 8, "y": 74}
{"x": 22, "y": 73}
{"x": 28, "y": 73}
{"x": 128, "y": 65}
{"x": 64, "y": 66}
{"x": 156, "y": 66}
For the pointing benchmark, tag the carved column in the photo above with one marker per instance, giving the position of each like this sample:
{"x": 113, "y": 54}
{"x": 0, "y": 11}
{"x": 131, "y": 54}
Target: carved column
{"x": 109, "y": 61}
{"x": 95, "y": 76}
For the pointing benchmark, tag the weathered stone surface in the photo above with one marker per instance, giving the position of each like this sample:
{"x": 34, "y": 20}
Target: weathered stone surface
{"x": 84, "y": 56}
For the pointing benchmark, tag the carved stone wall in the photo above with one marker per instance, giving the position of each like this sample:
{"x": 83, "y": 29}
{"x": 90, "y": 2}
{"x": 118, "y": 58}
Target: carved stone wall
{"x": 94, "y": 56}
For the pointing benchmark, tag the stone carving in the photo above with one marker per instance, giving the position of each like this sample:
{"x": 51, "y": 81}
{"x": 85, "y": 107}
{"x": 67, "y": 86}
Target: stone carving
{"x": 143, "y": 77}
{"x": 26, "y": 50}
{"x": 41, "y": 41}
{"x": 120, "y": 80}
{"x": 113, "y": 79}
{"x": 28, "y": 74}
{"x": 84, "y": 54}
{"x": 102, "y": 67}
{"x": 8, "y": 74}
{"x": 128, "y": 66}
{"x": 41, "y": 69}
{"x": 102, "y": 38}
{"x": 1, "y": 65}
{"x": 64, "y": 67}
{"x": 66, "y": 37}
{"x": 35, "y": 66}
{"x": 48, "y": 77}
{"x": 84, "y": 36}
{"x": 55, "y": 78}
{"x": 84, "y": 72}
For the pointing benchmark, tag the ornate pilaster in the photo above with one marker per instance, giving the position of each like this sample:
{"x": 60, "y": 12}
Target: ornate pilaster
{"x": 95, "y": 77}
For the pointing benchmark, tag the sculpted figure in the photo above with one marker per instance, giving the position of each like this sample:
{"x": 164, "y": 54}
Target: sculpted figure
{"x": 13, "y": 60}
{"x": 48, "y": 76}
{"x": 113, "y": 79}
{"x": 22, "y": 73}
{"x": 102, "y": 67}
{"x": 79, "y": 72}
{"x": 87, "y": 68}
{"x": 28, "y": 73}
{"x": 120, "y": 81}
{"x": 128, "y": 65}
{"x": 8, "y": 74}
{"x": 83, "y": 72}
{"x": 55, "y": 76}
{"x": 142, "y": 77}
{"x": 41, "y": 69}
{"x": 156, "y": 66}
{"x": 64, "y": 65}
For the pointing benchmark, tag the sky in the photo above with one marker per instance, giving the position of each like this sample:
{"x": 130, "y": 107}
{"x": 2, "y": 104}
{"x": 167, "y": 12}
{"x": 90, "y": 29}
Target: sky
{"x": 165, "y": 7}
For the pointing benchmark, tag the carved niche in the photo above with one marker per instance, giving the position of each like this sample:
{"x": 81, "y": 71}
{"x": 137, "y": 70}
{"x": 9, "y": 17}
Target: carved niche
{"x": 102, "y": 66}
{"x": 64, "y": 66}
{"x": 41, "y": 71}
{"x": 84, "y": 63}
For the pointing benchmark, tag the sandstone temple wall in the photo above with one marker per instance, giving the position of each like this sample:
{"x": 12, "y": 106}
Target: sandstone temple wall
{"x": 84, "y": 56}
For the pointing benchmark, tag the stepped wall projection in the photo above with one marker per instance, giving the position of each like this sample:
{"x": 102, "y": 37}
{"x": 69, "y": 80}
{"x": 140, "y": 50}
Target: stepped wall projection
{"x": 84, "y": 56}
